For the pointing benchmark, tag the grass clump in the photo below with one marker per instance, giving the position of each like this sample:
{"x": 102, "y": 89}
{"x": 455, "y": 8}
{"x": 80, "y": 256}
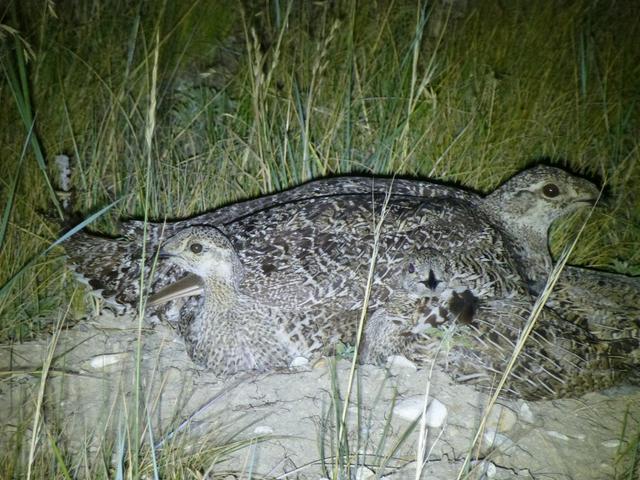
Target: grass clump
{"x": 254, "y": 101}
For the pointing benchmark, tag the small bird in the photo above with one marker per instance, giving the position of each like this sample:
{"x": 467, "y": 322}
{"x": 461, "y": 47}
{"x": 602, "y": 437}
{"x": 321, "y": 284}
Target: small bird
{"x": 435, "y": 315}
{"x": 232, "y": 331}
{"x": 437, "y": 302}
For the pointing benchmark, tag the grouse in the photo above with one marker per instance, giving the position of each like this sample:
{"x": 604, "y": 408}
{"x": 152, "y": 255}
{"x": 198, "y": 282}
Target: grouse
{"x": 605, "y": 303}
{"x": 233, "y": 332}
{"x": 522, "y": 210}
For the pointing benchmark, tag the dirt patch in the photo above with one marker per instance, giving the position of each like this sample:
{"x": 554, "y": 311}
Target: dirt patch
{"x": 89, "y": 392}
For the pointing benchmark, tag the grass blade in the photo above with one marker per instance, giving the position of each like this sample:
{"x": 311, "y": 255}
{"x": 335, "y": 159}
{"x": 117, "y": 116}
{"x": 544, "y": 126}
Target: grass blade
{"x": 5, "y": 288}
{"x": 19, "y": 85}
{"x": 12, "y": 194}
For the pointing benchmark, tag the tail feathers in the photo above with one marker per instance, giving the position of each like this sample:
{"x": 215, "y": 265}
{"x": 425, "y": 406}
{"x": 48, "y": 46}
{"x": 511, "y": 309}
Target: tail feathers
{"x": 110, "y": 267}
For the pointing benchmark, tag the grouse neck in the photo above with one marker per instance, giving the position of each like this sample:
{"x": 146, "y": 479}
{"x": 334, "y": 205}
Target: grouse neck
{"x": 530, "y": 241}
{"x": 219, "y": 295}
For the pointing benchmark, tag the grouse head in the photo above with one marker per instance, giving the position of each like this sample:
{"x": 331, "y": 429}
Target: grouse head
{"x": 204, "y": 251}
{"x": 426, "y": 273}
{"x": 533, "y": 199}
{"x": 444, "y": 294}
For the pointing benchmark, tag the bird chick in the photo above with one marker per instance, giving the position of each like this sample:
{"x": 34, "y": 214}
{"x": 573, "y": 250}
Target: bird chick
{"x": 231, "y": 332}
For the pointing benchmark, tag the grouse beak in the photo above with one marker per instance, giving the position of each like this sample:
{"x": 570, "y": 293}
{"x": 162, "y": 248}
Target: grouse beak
{"x": 590, "y": 198}
{"x": 185, "y": 287}
{"x": 587, "y": 201}
{"x": 598, "y": 201}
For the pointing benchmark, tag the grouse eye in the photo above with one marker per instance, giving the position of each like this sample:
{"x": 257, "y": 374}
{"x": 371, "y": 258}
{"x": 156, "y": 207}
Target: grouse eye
{"x": 411, "y": 268}
{"x": 551, "y": 190}
{"x": 196, "y": 247}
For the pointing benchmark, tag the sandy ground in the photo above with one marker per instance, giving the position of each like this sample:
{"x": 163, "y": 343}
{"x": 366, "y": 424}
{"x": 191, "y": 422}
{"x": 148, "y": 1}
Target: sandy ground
{"x": 89, "y": 392}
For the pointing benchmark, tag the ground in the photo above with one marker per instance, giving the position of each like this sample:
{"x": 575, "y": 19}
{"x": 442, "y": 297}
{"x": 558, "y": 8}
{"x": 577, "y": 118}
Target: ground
{"x": 290, "y": 415}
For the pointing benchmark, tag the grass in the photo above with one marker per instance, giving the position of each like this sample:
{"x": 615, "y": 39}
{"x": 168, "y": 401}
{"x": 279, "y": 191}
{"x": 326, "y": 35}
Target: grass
{"x": 628, "y": 454}
{"x": 172, "y": 108}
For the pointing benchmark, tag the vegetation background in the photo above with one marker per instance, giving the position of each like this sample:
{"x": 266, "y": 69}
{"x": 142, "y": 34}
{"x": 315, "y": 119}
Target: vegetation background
{"x": 174, "y": 108}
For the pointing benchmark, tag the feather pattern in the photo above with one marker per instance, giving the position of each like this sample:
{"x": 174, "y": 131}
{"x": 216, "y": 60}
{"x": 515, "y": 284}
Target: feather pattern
{"x": 294, "y": 268}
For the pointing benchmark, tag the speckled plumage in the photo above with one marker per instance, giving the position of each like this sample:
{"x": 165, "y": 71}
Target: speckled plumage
{"x": 316, "y": 253}
{"x": 608, "y": 304}
{"x": 506, "y": 209}
{"x": 233, "y": 331}
{"x": 119, "y": 286}
{"x": 605, "y": 302}
{"x": 436, "y": 314}
{"x": 310, "y": 248}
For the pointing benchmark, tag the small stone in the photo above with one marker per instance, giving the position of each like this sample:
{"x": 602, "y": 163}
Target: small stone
{"x": 486, "y": 468}
{"x": 412, "y": 407}
{"x": 492, "y": 438}
{"x": 526, "y": 414}
{"x": 299, "y": 362}
{"x": 561, "y": 436}
{"x": 398, "y": 363}
{"x": 611, "y": 443}
{"x": 263, "y": 430}
{"x": 100, "y": 362}
{"x": 436, "y": 414}
{"x": 409, "y": 408}
{"x": 364, "y": 473}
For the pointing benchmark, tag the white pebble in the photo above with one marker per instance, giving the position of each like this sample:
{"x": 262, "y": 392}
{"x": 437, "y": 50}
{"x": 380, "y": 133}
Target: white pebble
{"x": 263, "y": 430}
{"x": 299, "y": 362}
{"x": 611, "y": 443}
{"x": 488, "y": 469}
{"x": 526, "y": 414}
{"x": 103, "y": 361}
{"x": 400, "y": 362}
{"x": 561, "y": 436}
{"x": 364, "y": 473}
{"x": 411, "y": 408}
{"x": 436, "y": 414}
{"x": 491, "y": 470}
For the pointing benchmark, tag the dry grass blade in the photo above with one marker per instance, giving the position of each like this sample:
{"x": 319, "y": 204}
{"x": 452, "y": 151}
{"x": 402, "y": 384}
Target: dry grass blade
{"x": 361, "y": 322}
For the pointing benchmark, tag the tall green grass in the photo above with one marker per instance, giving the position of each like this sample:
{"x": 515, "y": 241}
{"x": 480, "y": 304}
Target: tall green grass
{"x": 250, "y": 102}
{"x": 246, "y": 102}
